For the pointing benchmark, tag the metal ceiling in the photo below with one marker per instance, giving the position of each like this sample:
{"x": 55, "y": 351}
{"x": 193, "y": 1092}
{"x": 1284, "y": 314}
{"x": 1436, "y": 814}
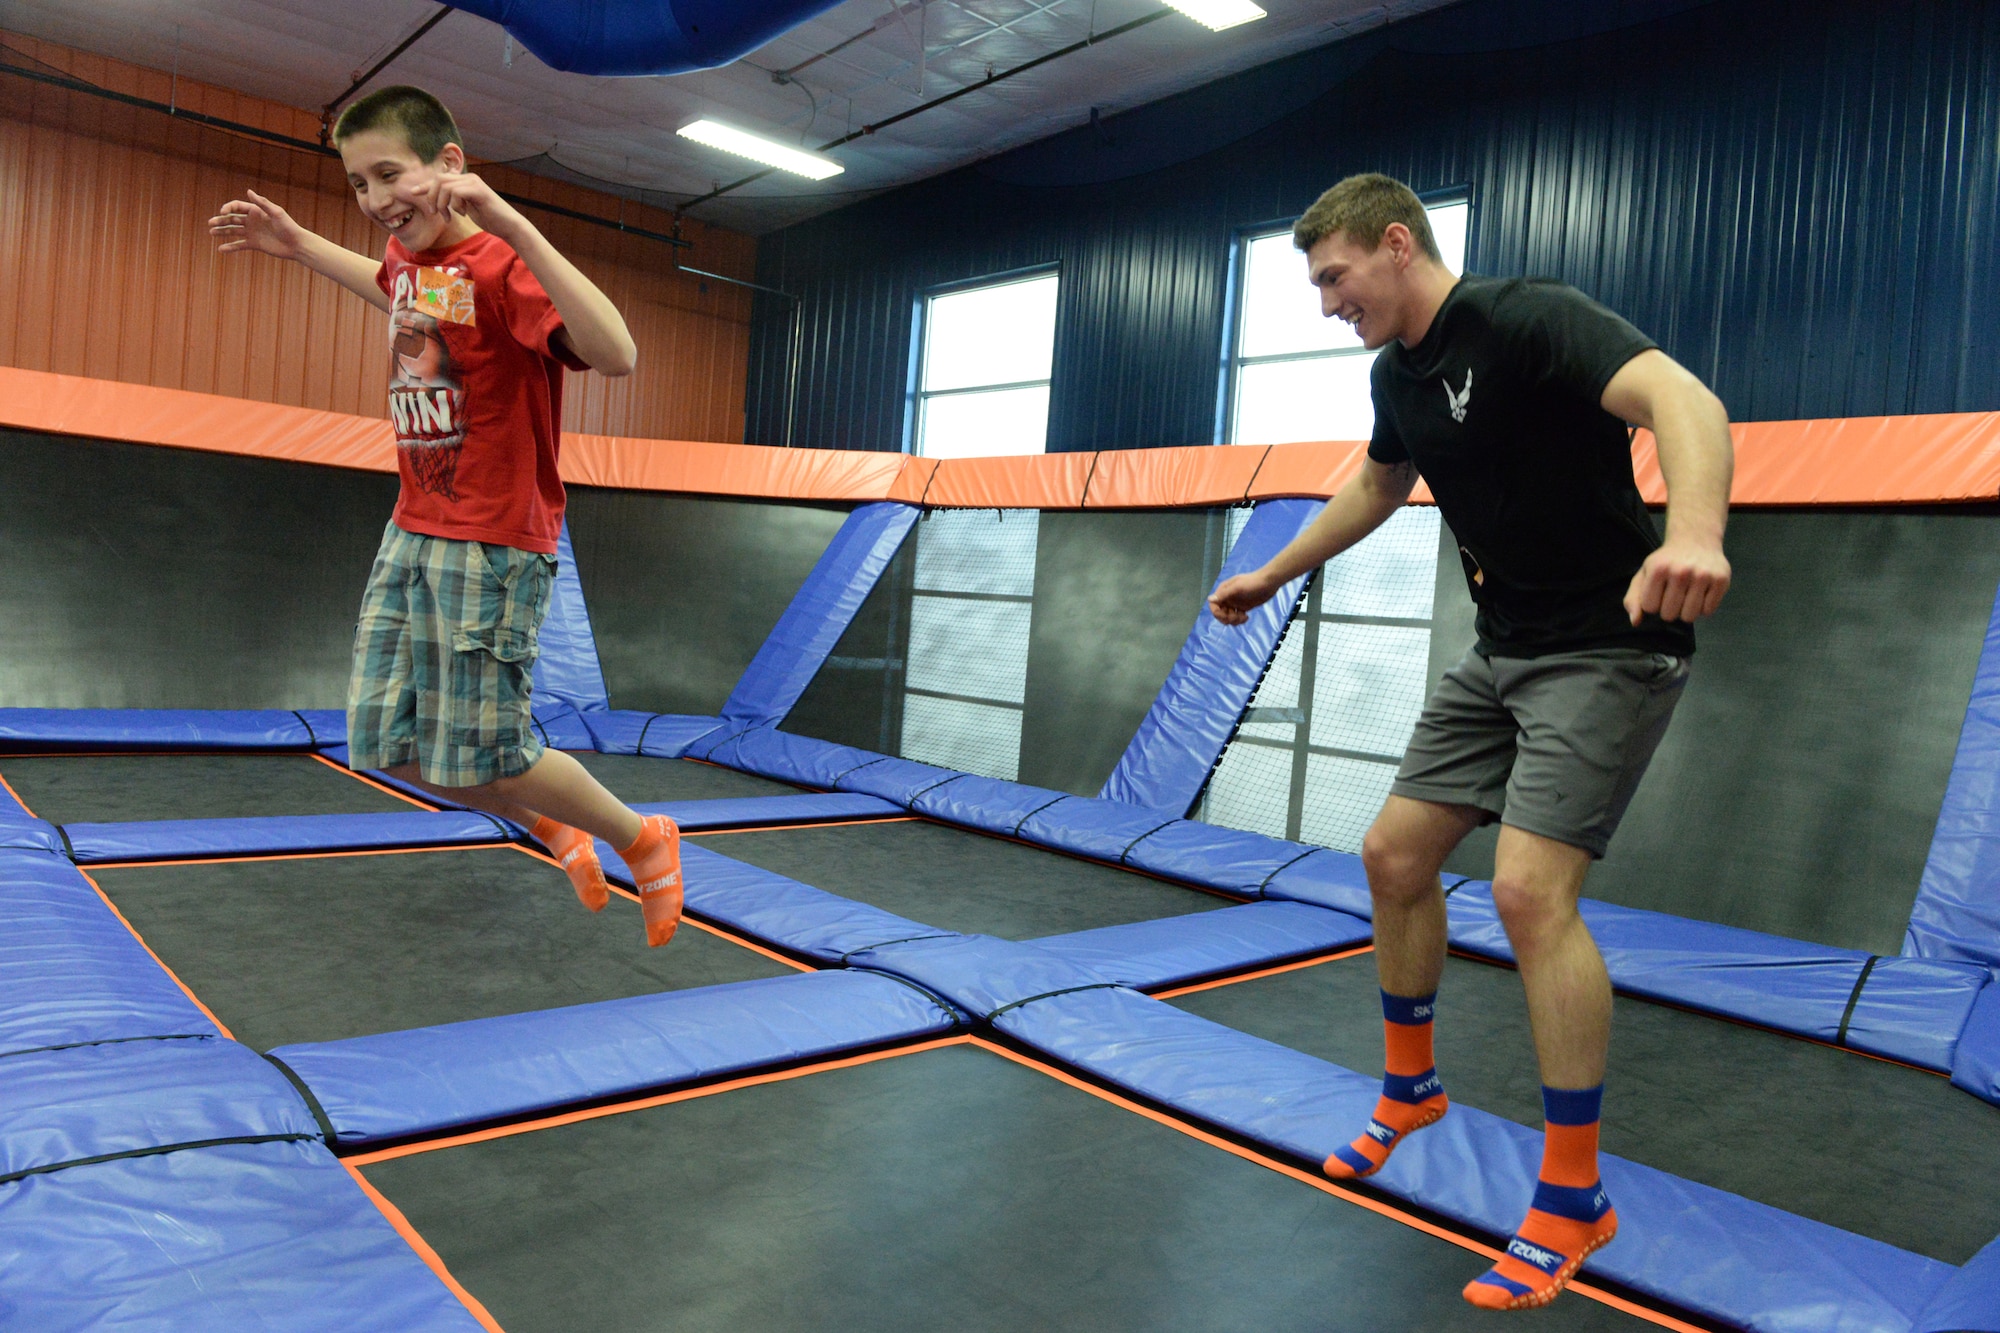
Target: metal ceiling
{"x": 860, "y": 63}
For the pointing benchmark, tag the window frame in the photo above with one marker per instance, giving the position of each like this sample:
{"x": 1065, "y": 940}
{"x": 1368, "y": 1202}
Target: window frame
{"x": 916, "y": 396}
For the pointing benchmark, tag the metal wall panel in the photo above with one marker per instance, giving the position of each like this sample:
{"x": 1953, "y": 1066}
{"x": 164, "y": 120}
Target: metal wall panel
{"x": 1797, "y": 199}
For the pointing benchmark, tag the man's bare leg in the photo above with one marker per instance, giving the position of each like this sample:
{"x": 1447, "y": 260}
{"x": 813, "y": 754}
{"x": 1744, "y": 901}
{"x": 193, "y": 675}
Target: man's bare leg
{"x": 1403, "y": 852}
{"x": 556, "y": 786}
{"x": 1536, "y": 882}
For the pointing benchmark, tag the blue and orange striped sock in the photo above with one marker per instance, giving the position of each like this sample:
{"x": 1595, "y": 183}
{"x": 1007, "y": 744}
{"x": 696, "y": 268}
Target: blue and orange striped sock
{"x": 1412, "y": 1095}
{"x": 1571, "y": 1217}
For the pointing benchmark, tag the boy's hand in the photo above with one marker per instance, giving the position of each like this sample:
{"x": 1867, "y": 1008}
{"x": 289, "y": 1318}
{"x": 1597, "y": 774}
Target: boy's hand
{"x": 257, "y": 224}
{"x": 471, "y": 197}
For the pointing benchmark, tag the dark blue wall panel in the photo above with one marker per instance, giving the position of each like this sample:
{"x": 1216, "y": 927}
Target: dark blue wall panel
{"x": 1797, "y": 199}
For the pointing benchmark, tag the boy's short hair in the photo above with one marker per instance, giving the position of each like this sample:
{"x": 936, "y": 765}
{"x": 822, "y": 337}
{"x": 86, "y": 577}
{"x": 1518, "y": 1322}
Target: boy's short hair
{"x": 1362, "y": 207}
{"x": 421, "y": 119}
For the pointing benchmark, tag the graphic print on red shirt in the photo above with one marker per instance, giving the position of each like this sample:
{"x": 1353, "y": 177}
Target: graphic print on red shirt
{"x": 475, "y": 394}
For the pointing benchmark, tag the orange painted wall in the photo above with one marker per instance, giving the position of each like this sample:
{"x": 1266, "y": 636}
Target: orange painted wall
{"x": 107, "y": 270}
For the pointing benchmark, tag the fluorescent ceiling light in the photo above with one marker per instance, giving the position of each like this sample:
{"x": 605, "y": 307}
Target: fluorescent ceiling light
{"x": 1218, "y": 14}
{"x": 759, "y": 149}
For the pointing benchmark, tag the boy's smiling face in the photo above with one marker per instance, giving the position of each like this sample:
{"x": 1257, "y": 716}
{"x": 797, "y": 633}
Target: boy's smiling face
{"x": 390, "y": 182}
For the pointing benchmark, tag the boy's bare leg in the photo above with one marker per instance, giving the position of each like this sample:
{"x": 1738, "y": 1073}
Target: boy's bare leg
{"x": 1536, "y": 883}
{"x": 556, "y": 786}
{"x": 1402, "y": 852}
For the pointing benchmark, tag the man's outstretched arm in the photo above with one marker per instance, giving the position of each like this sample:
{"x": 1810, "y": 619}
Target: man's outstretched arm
{"x": 1685, "y": 579}
{"x": 1362, "y": 505}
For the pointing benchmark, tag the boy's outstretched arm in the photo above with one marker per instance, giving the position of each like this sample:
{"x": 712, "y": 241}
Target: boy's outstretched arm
{"x": 258, "y": 224}
{"x": 595, "y": 330}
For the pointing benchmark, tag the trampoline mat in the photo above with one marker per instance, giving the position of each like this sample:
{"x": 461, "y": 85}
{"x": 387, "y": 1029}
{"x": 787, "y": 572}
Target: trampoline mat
{"x": 117, "y": 788}
{"x": 637, "y": 779}
{"x": 1870, "y": 1147}
{"x": 955, "y": 879}
{"x": 946, "y": 1189}
{"x": 319, "y": 948}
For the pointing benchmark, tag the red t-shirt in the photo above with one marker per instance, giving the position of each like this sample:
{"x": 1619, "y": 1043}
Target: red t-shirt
{"x": 475, "y": 394}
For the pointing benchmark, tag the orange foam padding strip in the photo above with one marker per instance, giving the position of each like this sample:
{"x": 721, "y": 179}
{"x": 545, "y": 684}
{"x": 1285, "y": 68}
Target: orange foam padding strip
{"x": 1942, "y": 458}
{"x": 1939, "y": 459}
{"x": 1029, "y": 481}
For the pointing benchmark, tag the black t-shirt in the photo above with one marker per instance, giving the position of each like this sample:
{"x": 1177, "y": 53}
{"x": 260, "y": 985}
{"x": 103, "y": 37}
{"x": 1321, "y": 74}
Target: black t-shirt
{"x": 1500, "y": 409}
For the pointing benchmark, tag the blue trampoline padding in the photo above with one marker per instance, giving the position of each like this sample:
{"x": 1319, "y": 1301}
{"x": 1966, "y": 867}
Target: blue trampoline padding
{"x": 757, "y": 811}
{"x": 900, "y": 780}
{"x": 277, "y": 835}
{"x": 327, "y": 725}
{"x": 771, "y": 753}
{"x": 66, "y": 1106}
{"x": 1909, "y": 1009}
{"x": 428, "y": 1079}
{"x": 1975, "y": 1064}
{"x": 1699, "y": 1248}
{"x": 1969, "y": 1301}
{"x": 1148, "y": 955}
{"x": 978, "y": 973}
{"x": 1325, "y": 878}
{"x": 263, "y": 1236}
{"x": 567, "y": 670}
{"x": 991, "y": 804}
{"x": 561, "y": 727}
{"x": 152, "y": 729}
{"x": 661, "y": 735}
{"x": 1218, "y": 858}
{"x": 21, "y": 833}
{"x": 820, "y": 613}
{"x": 1196, "y": 711}
{"x": 769, "y": 907}
{"x": 1957, "y": 912}
{"x": 69, "y": 969}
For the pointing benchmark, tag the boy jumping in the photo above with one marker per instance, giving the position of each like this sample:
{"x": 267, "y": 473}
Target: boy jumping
{"x": 484, "y": 315}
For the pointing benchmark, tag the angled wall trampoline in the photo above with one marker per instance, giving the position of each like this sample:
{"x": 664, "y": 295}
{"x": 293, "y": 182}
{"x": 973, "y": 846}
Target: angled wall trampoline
{"x": 284, "y": 1045}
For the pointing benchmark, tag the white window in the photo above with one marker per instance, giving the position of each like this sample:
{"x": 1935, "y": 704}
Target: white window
{"x": 983, "y": 369}
{"x": 1296, "y": 375}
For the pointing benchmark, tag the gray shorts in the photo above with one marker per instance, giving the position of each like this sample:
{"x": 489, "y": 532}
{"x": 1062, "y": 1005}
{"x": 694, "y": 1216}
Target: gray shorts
{"x": 1556, "y": 745}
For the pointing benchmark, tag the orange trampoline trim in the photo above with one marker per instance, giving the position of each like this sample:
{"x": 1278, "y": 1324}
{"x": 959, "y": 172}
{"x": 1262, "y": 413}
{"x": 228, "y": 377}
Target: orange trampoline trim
{"x": 416, "y": 1241}
{"x": 648, "y": 1103}
{"x": 1282, "y": 968}
{"x": 1940, "y": 458}
{"x": 16, "y": 795}
{"x": 383, "y": 787}
{"x": 1322, "y": 1184}
{"x": 220, "y": 1026}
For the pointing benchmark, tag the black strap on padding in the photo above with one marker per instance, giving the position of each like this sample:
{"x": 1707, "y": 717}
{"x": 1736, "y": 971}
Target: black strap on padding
{"x": 1051, "y": 994}
{"x": 1083, "y": 501}
{"x": 640, "y": 748}
{"x": 1265, "y": 883}
{"x": 916, "y": 795}
{"x": 109, "y": 1041}
{"x": 13, "y": 1176}
{"x": 881, "y": 759}
{"x": 1256, "y": 472}
{"x": 536, "y": 723}
{"x": 69, "y": 849}
{"x": 312, "y": 737}
{"x": 1456, "y": 887}
{"x": 1854, "y": 998}
{"x": 306, "y": 1094}
{"x": 883, "y": 944}
{"x": 1142, "y": 837}
{"x": 1036, "y": 811}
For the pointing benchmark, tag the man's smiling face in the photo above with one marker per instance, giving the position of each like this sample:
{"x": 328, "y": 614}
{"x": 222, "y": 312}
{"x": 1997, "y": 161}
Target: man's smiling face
{"x": 1364, "y": 287}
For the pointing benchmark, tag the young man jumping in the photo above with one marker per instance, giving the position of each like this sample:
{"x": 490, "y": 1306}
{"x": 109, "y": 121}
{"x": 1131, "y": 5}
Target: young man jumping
{"x": 1510, "y": 397}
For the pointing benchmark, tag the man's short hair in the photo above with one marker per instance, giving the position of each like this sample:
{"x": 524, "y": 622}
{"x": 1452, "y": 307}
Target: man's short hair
{"x": 1362, "y": 207}
{"x": 420, "y": 118}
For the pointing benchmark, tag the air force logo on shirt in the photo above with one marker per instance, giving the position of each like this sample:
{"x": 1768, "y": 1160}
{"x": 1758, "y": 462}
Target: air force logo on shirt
{"x": 1461, "y": 399}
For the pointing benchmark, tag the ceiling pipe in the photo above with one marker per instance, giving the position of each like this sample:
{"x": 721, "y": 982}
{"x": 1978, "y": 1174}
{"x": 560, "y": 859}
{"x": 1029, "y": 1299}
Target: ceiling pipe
{"x": 361, "y": 80}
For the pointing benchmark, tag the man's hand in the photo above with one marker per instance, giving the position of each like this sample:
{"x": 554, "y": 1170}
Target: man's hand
{"x": 1679, "y": 581}
{"x": 468, "y": 196}
{"x": 257, "y": 224}
{"x": 1236, "y": 598}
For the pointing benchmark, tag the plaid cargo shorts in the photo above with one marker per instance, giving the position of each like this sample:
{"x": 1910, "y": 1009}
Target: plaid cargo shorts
{"x": 444, "y": 657}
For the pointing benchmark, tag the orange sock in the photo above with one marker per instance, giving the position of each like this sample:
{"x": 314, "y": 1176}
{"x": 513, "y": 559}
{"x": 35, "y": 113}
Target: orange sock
{"x": 576, "y": 852}
{"x": 655, "y": 860}
{"x": 1412, "y": 1095}
{"x": 1570, "y": 1219}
